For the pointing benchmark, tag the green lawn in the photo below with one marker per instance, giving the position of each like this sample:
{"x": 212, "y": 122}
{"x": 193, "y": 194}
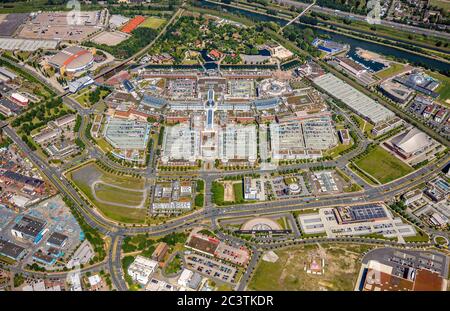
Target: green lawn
{"x": 83, "y": 178}
{"x": 441, "y": 240}
{"x": 352, "y": 188}
{"x": 83, "y": 99}
{"x": 104, "y": 145}
{"x": 174, "y": 266}
{"x": 365, "y": 126}
{"x": 238, "y": 192}
{"x": 383, "y": 166}
{"x": 420, "y": 237}
{"x": 393, "y": 69}
{"x": 218, "y": 192}
{"x": 153, "y": 22}
{"x": 443, "y": 88}
{"x": 199, "y": 200}
{"x": 113, "y": 194}
{"x": 444, "y": 4}
{"x": 335, "y": 151}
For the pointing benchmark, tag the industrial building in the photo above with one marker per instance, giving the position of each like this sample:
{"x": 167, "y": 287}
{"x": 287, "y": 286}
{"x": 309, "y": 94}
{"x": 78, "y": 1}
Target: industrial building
{"x": 344, "y": 136}
{"x": 237, "y": 143}
{"x": 6, "y": 75}
{"x": 355, "y": 220}
{"x": 213, "y": 247}
{"x": 384, "y": 127}
{"x": 27, "y": 45}
{"x": 393, "y": 269}
{"x": 420, "y": 82}
{"x": 357, "y": 101}
{"x": 29, "y": 228}
{"x": 142, "y": 269}
{"x": 11, "y": 250}
{"x": 181, "y": 143}
{"x": 328, "y": 46}
{"x": 397, "y": 92}
{"x": 57, "y": 239}
{"x": 80, "y": 83}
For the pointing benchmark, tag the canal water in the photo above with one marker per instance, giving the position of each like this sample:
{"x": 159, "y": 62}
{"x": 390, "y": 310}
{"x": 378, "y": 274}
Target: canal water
{"x": 354, "y": 43}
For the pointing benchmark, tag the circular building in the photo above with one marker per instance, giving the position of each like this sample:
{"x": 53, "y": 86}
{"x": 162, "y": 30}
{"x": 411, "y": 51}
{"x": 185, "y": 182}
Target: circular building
{"x": 72, "y": 59}
{"x": 272, "y": 87}
{"x": 294, "y": 188}
{"x": 261, "y": 224}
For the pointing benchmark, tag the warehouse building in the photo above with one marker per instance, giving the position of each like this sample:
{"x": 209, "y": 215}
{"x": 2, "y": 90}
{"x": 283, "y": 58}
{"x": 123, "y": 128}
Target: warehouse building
{"x": 357, "y": 101}
{"x": 29, "y": 228}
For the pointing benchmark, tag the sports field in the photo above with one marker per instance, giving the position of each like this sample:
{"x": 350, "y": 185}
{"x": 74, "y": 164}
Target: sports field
{"x": 288, "y": 273}
{"x": 153, "y": 22}
{"x": 120, "y": 198}
{"x": 383, "y": 166}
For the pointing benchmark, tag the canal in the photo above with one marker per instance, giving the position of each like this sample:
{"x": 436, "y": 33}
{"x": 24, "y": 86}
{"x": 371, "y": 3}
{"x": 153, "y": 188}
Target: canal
{"x": 354, "y": 43}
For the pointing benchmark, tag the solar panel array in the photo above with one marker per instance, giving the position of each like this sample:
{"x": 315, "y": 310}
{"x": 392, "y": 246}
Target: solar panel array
{"x": 367, "y": 212}
{"x": 269, "y": 103}
{"x": 153, "y": 101}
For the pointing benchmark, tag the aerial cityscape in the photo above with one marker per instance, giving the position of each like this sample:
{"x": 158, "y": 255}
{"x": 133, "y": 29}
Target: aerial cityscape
{"x": 224, "y": 145}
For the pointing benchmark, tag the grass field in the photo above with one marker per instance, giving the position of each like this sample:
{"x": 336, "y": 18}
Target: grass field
{"x": 383, "y": 166}
{"x": 444, "y": 87}
{"x": 444, "y": 4}
{"x": 393, "y": 69}
{"x": 113, "y": 194}
{"x": 83, "y": 97}
{"x": 342, "y": 263}
{"x": 104, "y": 145}
{"x": 335, "y": 151}
{"x": 153, "y": 22}
{"x": 87, "y": 175}
{"x": 420, "y": 237}
{"x": 238, "y": 192}
{"x": 365, "y": 126}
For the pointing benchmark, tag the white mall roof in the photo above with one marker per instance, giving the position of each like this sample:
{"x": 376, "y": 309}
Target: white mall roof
{"x": 353, "y": 98}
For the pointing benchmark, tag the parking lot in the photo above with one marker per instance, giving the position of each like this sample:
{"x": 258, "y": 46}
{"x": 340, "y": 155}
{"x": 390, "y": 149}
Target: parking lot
{"x": 211, "y": 267}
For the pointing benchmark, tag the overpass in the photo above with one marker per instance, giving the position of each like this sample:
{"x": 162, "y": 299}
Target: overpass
{"x": 298, "y": 16}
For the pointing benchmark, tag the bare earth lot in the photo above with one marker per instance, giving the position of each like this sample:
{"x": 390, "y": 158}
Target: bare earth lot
{"x": 342, "y": 264}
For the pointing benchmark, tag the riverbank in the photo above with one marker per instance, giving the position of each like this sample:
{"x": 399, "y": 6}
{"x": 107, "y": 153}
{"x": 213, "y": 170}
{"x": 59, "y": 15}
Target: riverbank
{"x": 414, "y": 57}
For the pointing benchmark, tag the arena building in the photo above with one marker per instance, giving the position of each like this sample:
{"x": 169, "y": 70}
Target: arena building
{"x": 413, "y": 146}
{"x": 72, "y": 59}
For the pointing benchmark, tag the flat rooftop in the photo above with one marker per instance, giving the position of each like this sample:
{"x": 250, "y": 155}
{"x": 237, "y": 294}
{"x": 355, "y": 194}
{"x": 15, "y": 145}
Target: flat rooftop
{"x": 127, "y": 134}
{"x": 359, "y": 102}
